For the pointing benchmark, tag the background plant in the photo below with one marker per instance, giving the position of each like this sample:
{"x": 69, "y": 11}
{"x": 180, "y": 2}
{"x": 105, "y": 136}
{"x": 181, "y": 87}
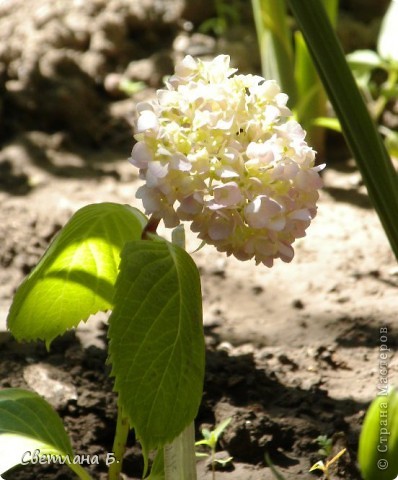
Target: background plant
{"x": 227, "y": 13}
{"x": 210, "y": 440}
{"x": 376, "y": 74}
{"x": 285, "y": 57}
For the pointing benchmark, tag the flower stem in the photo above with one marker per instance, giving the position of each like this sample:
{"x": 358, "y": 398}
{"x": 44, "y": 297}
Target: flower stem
{"x": 179, "y": 455}
{"x": 119, "y": 445}
{"x": 151, "y": 227}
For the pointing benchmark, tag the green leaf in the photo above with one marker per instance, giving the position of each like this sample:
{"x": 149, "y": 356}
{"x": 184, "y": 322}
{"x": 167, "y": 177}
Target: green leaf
{"x": 311, "y": 96}
{"x": 359, "y": 129}
{"x": 219, "y": 430}
{"x": 388, "y": 36}
{"x": 157, "y": 470}
{"x": 391, "y": 141}
{"x": 365, "y": 60}
{"x": 378, "y": 442}
{"x": 331, "y": 123}
{"x": 156, "y": 340}
{"x": 29, "y": 423}
{"x": 75, "y": 278}
{"x": 275, "y": 44}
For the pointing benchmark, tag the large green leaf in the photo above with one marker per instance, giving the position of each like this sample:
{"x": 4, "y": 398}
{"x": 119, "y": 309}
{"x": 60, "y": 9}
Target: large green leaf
{"x": 29, "y": 429}
{"x": 76, "y": 276}
{"x": 156, "y": 340}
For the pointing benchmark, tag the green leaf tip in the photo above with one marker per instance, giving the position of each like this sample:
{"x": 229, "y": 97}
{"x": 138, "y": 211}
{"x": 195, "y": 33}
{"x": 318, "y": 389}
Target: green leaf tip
{"x": 75, "y": 277}
{"x": 156, "y": 340}
{"x": 378, "y": 441}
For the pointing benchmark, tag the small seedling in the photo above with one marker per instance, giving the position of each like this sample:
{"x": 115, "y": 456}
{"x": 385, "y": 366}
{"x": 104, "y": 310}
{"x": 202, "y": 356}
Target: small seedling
{"x": 325, "y": 466}
{"x": 210, "y": 439}
{"x": 325, "y": 443}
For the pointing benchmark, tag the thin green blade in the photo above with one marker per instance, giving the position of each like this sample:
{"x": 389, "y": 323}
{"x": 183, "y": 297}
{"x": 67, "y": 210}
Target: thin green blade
{"x": 76, "y": 276}
{"x": 360, "y": 131}
{"x": 156, "y": 340}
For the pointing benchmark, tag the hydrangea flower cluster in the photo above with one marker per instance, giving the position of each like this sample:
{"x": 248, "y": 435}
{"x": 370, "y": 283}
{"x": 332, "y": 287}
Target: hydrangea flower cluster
{"x": 222, "y": 151}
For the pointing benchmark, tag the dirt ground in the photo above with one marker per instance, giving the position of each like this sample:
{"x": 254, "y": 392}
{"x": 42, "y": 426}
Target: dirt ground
{"x": 292, "y": 351}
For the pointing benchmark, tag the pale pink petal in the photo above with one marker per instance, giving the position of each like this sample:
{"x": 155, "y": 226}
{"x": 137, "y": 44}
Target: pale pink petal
{"x": 140, "y": 155}
{"x": 318, "y": 168}
{"x": 186, "y": 67}
{"x": 262, "y": 151}
{"x": 271, "y": 113}
{"x": 180, "y": 162}
{"x": 150, "y": 199}
{"x": 227, "y": 172}
{"x": 277, "y": 224}
{"x": 155, "y": 172}
{"x": 308, "y": 180}
{"x": 286, "y": 252}
{"x": 302, "y": 214}
{"x": 225, "y": 196}
{"x": 220, "y": 227}
{"x": 147, "y": 120}
{"x": 190, "y": 205}
{"x": 259, "y": 212}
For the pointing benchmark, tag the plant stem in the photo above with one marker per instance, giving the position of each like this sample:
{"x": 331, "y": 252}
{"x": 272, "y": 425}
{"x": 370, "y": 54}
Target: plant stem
{"x": 213, "y": 463}
{"x": 179, "y": 455}
{"x": 382, "y": 101}
{"x": 80, "y": 471}
{"x": 119, "y": 445}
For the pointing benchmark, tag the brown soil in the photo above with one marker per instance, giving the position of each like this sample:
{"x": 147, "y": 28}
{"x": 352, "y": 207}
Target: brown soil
{"x": 292, "y": 351}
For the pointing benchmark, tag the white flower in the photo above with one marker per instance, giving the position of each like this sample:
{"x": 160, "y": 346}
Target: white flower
{"x": 221, "y": 150}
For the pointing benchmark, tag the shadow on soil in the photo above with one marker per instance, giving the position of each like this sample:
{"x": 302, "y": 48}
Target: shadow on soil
{"x": 267, "y": 416}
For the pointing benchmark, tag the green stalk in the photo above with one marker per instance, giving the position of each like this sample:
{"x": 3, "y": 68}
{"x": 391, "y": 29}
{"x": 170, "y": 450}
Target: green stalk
{"x": 382, "y": 101}
{"x": 80, "y": 471}
{"x": 359, "y": 129}
{"x": 179, "y": 455}
{"x": 119, "y": 445}
{"x": 274, "y": 38}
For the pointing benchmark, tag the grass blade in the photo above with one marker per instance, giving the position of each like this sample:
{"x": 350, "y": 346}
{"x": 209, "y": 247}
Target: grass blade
{"x": 359, "y": 129}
